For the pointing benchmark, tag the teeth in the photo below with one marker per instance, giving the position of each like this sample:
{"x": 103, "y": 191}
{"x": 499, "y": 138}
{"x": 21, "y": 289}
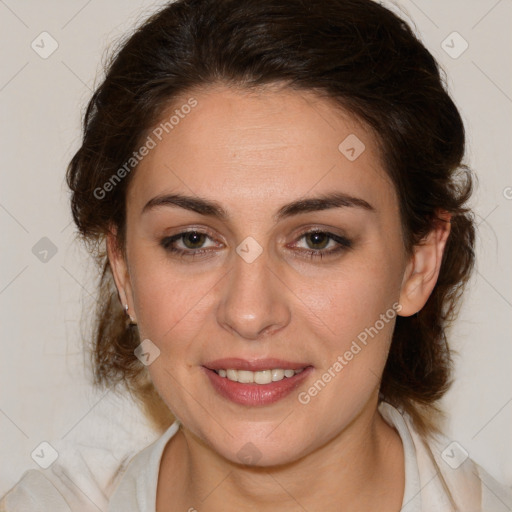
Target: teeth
{"x": 277, "y": 375}
{"x": 261, "y": 377}
{"x": 245, "y": 377}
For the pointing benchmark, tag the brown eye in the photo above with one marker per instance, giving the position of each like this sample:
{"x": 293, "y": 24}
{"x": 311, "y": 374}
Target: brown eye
{"x": 192, "y": 243}
{"x": 193, "y": 239}
{"x": 318, "y": 240}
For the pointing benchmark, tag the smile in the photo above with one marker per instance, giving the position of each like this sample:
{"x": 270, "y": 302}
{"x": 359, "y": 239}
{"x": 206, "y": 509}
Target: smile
{"x": 259, "y": 377}
{"x": 255, "y": 383}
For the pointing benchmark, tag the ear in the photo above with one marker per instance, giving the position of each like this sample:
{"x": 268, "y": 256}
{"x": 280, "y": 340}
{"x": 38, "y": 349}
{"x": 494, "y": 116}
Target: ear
{"x": 120, "y": 271}
{"x": 422, "y": 271}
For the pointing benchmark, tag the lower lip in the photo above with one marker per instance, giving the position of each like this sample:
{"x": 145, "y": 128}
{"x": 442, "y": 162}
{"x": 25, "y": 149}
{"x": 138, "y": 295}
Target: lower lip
{"x": 256, "y": 394}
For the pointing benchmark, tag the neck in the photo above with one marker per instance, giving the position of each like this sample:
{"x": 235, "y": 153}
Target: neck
{"x": 359, "y": 469}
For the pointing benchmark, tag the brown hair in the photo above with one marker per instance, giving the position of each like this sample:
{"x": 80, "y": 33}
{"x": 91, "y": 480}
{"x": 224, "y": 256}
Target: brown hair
{"x": 355, "y": 52}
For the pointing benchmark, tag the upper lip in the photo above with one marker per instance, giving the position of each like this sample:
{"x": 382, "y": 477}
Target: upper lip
{"x": 254, "y": 365}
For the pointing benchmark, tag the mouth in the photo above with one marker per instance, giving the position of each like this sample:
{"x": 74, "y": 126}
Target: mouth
{"x": 255, "y": 383}
{"x": 259, "y": 377}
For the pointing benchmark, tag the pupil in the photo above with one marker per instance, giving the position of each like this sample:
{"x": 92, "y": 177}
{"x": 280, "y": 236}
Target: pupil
{"x": 318, "y": 237}
{"x": 195, "y": 236}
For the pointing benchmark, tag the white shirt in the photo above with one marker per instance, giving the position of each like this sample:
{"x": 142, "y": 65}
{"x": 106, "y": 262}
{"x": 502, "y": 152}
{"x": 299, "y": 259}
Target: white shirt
{"x": 435, "y": 474}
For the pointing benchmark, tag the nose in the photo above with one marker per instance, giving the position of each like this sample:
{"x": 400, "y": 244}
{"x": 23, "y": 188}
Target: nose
{"x": 254, "y": 300}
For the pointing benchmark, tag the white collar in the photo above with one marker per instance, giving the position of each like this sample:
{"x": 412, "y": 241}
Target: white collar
{"x": 430, "y": 484}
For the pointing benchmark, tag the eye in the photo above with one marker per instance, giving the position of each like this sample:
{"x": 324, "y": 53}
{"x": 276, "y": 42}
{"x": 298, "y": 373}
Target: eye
{"x": 193, "y": 243}
{"x": 317, "y": 242}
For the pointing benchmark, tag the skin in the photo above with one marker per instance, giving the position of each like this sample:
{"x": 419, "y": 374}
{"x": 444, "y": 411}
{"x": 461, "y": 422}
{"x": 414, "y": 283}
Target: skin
{"x": 254, "y": 152}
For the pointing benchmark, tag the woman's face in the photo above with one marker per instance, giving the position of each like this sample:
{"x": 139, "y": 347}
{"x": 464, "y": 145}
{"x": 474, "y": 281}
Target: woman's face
{"x": 245, "y": 292}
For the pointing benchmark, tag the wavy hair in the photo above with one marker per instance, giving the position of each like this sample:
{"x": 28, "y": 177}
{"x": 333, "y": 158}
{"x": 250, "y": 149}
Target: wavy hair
{"x": 359, "y": 54}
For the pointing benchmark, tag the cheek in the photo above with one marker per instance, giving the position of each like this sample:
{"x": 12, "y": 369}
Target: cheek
{"x": 353, "y": 299}
{"x": 167, "y": 300}
{"x": 360, "y": 311}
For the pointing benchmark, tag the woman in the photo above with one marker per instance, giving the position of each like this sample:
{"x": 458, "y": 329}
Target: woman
{"x": 276, "y": 195}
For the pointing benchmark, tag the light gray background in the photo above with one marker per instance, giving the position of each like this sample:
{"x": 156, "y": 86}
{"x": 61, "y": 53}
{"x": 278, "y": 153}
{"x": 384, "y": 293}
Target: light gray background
{"x": 45, "y": 392}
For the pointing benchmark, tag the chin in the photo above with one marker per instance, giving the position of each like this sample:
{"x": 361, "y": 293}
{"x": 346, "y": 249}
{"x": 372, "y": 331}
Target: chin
{"x": 258, "y": 450}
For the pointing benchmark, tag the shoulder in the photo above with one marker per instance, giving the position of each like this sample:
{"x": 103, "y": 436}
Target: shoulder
{"x": 84, "y": 474}
{"x": 136, "y": 487}
{"x": 80, "y": 480}
{"x": 54, "y": 489}
{"x": 33, "y": 492}
{"x": 448, "y": 479}
{"x": 89, "y": 462}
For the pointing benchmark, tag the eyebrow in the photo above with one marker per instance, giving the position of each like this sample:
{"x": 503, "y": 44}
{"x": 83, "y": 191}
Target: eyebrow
{"x": 214, "y": 209}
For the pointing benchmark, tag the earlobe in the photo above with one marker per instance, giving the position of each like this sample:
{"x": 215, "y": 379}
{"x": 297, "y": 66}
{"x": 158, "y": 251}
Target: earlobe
{"x": 423, "y": 269}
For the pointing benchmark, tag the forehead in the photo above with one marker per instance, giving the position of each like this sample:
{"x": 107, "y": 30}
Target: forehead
{"x": 262, "y": 147}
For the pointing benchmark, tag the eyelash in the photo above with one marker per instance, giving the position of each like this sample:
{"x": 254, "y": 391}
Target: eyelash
{"x": 343, "y": 244}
